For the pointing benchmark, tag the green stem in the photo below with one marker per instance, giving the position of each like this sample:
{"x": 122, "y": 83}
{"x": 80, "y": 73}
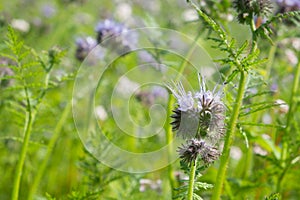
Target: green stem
{"x": 254, "y": 39}
{"x": 50, "y": 148}
{"x": 284, "y": 149}
{"x": 169, "y": 137}
{"x": 270, "y": 62}
{"x": 168, "y": 127}
{"x": 248, "y": 162}
{"x": 191, "y": 180}
{"x": 229, "y": 137}
{"x": 30, "y": 117}
{"x": 27, "y": 131}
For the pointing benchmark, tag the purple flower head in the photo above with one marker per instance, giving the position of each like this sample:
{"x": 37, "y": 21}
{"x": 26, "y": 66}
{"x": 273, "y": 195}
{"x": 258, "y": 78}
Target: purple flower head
{"x": 288, "y": 5}
{"x": 84, "y": 46}
{"x": 115, "y": 36}
{"x": 108, "y": 28}
{"x": 200, "y": 114}
{"x": 194, "y": 148}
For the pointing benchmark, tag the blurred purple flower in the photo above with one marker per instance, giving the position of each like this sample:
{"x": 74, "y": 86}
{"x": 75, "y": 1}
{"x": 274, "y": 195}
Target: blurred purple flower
{"x": 115, "y": 36}
{"x": 48, "y": 10}
{"x": 288, "y": 5}
{"x": 149, "y": 97}
{"x": 6, "y": 73}
{"x": 151, "y": 184}
{"x": 84, "y": 46}
{"x": 108, "y": 28}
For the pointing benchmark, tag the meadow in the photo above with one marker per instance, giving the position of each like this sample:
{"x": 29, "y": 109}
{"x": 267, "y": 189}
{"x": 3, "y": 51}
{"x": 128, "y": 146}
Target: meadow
{"x": 149, "y": 99}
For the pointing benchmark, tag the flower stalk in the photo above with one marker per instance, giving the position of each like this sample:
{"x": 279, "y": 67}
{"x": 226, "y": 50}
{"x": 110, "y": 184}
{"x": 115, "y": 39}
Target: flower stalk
{"x": 199, "y": 119}
{"x": 30, "y": 116}
{"x": 168, "y": 127}
{"x": 192, "y": 180}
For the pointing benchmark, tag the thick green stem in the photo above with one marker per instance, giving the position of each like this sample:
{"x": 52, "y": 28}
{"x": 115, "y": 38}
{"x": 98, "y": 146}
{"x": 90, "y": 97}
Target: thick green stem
{"x": 168, "y": 127}
{"x": 284, "y": 149}
{"x": 169, "y": 137}
{"x": 50, "y": 148}
{"x": 192, "y": 180}
{"x": 30, "y": 117}
{"x": 18, "y": 175}
{"x": 229, "y": 137}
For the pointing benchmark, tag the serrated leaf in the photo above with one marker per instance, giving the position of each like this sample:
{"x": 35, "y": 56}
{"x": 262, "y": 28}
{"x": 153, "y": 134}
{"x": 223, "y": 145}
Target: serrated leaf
{"x": 269, "y": 146}
{"x": 232, "y": 43}
{"x": 232, "y": 76}
{"x": 258, "y": 94}
{"x": 202, "y": 185}
{"x": 263, "y": 107}
{"x": 275, "y": 196}
{"x": 251, "y": 56}
{"x": 262, "y": 125}
{"x": 242, "y": 48}
{"x": 197, "y": 197}
{"x": 252, "y": 105}
{"x": 8, "y": 56}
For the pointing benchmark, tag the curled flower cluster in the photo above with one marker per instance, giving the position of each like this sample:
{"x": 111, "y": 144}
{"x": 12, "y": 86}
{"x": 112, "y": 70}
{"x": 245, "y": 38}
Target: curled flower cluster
{"x": 199, "y": 118}
{"x": 194, "y": 148}
{"x": 248, "y": 8}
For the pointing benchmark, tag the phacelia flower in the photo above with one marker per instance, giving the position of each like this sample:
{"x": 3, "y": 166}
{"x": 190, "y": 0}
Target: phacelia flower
{"x": 149, "y": 97}
{"x": 200, "y": 114}
{"x": 84, "y": 46}
{"x": 108, "y": 28}
{"x": 194, "y": 148}
{"x": 248, "y": 8}
{"x": 120, "y": 39}
{"x": 288, "y": 5}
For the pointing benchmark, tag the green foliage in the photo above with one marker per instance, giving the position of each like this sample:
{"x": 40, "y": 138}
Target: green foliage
{"x": 41, "y": 153}
{"x": 265, "y": 30}
{"x": 275, "y": 196}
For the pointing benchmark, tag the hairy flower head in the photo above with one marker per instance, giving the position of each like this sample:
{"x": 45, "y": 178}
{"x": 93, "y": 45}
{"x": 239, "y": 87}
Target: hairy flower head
{"x": 199, "y": 114}
{"x": 194, "y": 148}
{"x": 247, "y": 8}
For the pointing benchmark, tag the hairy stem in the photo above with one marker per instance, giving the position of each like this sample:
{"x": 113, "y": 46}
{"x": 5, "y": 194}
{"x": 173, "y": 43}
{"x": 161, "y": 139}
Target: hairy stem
{"x": 192, "y": 180}
{"x": 168, "y": 127}
{"x": 169, "y": 137}
{"x": 50, "y": 148}
{"x": 229, "y": 137}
